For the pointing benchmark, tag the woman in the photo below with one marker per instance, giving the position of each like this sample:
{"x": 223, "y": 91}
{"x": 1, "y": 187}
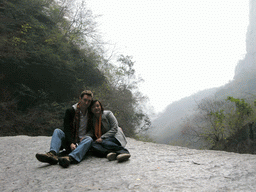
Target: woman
{"x": 109, "y": 138}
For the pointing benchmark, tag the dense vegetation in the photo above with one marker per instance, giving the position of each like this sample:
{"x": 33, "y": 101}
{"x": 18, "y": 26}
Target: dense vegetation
{"x": 223, "y": 124}
{"x": 49, "y": 52}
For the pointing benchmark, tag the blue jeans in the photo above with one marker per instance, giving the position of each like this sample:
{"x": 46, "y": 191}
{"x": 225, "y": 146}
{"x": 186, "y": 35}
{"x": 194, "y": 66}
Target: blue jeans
{"x": 78, "y": 154}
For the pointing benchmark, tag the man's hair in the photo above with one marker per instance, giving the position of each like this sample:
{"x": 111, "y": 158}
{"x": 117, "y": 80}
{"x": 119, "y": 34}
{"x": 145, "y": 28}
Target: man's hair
{"x": 86, "y": 92}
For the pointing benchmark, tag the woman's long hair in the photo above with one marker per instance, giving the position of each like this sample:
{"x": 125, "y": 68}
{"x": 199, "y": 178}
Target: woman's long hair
{"x": 91, "y": 115}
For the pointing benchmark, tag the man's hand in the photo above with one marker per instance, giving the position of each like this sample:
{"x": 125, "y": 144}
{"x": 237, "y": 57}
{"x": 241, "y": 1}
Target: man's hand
{"x": 72, "y": 146}
{"x": 99, "y": 140}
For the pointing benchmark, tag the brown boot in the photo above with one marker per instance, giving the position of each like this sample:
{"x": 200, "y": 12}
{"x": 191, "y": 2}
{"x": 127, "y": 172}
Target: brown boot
{"x": 65, "y": 161}
{"x": 47, "y": 158}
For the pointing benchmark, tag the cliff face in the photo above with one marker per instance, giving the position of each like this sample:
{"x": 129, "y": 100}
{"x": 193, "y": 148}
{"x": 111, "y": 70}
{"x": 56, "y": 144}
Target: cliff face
{"x": 248, "y": 64}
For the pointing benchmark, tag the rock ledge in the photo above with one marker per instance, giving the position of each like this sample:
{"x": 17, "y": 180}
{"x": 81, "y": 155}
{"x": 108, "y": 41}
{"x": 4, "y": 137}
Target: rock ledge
{"x": 152, "y": 167}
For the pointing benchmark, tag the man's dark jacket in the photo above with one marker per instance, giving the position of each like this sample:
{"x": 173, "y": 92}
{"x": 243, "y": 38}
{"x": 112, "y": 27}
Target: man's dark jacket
{"x": 69, "y": 129}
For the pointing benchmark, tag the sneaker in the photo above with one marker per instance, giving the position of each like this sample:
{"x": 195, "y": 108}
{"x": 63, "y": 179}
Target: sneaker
{"x": 123, "y": 157}
{"x": 111, "y": 156}
{"x": 65, "y": 161}
{"x": 47, "y": 158}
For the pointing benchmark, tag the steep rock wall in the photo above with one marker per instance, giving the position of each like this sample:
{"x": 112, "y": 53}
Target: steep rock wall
{"x": 248, "y": 64}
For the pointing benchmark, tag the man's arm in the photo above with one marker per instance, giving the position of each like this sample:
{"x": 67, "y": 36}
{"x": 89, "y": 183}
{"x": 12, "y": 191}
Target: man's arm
{"x": 68, "y": 125}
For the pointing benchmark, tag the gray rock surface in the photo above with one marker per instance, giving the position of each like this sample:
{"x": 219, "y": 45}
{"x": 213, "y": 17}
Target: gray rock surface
{"x": 152, "y": 167}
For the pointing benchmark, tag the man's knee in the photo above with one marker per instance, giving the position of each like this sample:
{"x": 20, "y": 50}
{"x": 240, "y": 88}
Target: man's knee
{"x": 58, "y": 132}
{"x": 87, "y": 139}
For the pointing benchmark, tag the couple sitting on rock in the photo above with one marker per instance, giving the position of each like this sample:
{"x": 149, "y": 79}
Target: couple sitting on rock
{"x": 87, "y": 126}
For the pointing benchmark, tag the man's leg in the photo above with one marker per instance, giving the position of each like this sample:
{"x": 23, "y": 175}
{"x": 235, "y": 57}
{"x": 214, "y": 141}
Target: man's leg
{"x": 57, "y": 137}
{"x": 81, "y": 149}
{"x": 77, "y": 154}
{"x": 50, "y": 157}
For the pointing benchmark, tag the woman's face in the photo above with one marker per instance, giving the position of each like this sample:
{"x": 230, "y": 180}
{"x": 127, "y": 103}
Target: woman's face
{"x": 96, "y": 108}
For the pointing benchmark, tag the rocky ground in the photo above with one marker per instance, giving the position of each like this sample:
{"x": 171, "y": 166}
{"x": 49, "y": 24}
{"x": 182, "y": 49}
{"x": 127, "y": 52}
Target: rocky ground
{"x": 152, "y": 167}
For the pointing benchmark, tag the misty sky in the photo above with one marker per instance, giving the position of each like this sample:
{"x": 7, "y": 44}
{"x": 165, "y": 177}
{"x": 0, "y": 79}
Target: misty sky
{"x": 179, "y": 46}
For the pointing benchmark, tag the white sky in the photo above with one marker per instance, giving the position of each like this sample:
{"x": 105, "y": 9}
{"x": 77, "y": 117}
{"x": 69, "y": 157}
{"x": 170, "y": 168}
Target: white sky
{"x": 179, "y": 46}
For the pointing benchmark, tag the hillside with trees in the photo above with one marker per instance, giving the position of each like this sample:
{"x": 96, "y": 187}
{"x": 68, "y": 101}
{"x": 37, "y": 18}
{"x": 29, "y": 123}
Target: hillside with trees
{"x": 220, "y": 118}
{"x": 49, "y": 52}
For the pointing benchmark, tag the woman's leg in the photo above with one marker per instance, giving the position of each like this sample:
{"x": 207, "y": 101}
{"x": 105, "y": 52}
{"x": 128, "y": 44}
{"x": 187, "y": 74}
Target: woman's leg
{"x": 113, "y": 145}
{"x": 108, "y": 145}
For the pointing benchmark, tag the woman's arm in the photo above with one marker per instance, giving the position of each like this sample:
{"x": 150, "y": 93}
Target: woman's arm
{"x": 113, "y": 125}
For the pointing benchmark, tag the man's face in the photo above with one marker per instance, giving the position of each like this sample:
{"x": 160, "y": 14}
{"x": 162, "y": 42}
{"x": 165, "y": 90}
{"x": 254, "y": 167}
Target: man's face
{"x": 85, "y": 101}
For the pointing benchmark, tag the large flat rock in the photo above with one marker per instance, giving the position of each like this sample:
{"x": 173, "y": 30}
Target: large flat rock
{"x": 152, "y": 167}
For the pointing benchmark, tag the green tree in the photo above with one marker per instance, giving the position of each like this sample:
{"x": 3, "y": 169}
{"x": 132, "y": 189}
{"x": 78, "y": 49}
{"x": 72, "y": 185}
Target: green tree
{"x": 218, "y": 120}
{"x": 43, "y": 49}
{"x": 120, "y": 94}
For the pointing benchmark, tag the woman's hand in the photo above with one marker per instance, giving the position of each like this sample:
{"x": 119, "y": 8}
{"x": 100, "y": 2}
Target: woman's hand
{"x": 72, "y": 146}
{"x": 99, "y": 140}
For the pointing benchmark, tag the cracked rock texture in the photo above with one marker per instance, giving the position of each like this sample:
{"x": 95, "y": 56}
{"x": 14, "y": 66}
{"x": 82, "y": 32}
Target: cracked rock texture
{"x": 152, "y": 167}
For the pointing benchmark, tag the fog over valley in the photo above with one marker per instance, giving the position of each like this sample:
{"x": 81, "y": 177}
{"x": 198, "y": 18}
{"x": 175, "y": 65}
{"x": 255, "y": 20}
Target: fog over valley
{"x": 168, "y": 126}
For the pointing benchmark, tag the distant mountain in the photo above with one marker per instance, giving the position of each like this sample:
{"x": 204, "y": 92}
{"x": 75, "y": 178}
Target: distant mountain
{"x": 168, "y": 122}
{"x": 166, "y": 126}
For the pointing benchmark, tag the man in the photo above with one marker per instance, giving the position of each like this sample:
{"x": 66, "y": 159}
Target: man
{"x": 75, "y": 139}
